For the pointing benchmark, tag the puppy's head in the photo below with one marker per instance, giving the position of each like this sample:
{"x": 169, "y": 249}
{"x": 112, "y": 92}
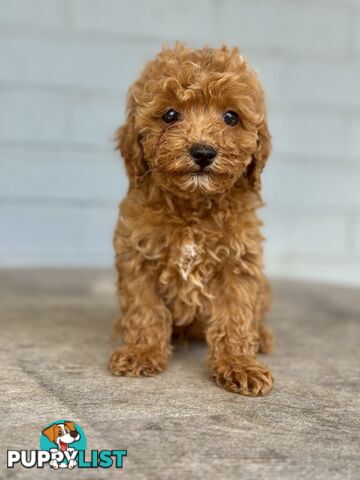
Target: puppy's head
{"x": 196, "y": 122}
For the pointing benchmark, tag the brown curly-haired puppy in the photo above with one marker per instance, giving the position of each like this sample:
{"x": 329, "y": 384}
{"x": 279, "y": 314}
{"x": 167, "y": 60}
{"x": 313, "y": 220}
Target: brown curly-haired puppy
{"x": 188, "y": 242}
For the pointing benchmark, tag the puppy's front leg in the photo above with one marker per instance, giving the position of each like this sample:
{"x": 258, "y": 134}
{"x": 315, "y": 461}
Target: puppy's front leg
{"x": 146, "y": 328}
{"x": 233, "y": 338}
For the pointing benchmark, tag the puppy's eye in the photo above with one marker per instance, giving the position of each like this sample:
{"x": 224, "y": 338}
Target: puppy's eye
{"x": 231, "y": 118}
{"x": 171, "y": 116}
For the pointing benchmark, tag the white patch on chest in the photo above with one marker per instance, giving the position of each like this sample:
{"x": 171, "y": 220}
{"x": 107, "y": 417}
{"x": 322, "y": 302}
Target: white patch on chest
{"x": 187, "y": 259}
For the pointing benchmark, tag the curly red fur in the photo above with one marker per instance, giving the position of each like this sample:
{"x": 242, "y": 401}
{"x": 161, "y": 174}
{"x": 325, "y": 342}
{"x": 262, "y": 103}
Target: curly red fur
{"x": 188, "y": 247}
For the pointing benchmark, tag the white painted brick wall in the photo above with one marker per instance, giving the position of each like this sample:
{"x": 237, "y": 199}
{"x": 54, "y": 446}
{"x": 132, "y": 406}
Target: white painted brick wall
{"x": 299, "y": 27}
{"x": 329, "y": 229}
{"x": 312, "y": 186}
{"x": 321, "y": 134}
{"x": 28, "y": 115}
{"x": 97, "y": 178}
{"x": 48, "y": 14}
{"x": 356, "y": 234}
{"x": 310, "y": 82}
{"x": 75, "y": 235}
{"x": 71, "y": 61}
{"x": 146, "y": 18}
{"x": 64, "y": 71}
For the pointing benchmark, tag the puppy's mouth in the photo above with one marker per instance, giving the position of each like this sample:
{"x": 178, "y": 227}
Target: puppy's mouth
{"x": 201, "y": 173}
{"x": 194, "y": 173}
{"x": 63, "y": 446}
{"x": 209, "y": 174}
{"x": 205, "y": 173}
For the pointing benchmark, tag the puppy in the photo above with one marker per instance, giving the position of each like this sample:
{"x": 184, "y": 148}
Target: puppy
{"x": 188, "y": 243}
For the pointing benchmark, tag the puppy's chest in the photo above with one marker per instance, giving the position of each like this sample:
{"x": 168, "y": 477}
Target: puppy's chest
{"x": 195, "y": 257}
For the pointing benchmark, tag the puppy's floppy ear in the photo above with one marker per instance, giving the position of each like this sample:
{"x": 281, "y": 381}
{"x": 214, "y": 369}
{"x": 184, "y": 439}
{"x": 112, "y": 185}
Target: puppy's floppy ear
{"x": 71, "y": 425}
{"x": 51, "y": 432}
{"x": 127, "y": 140}
{"x": 260, "y": 156}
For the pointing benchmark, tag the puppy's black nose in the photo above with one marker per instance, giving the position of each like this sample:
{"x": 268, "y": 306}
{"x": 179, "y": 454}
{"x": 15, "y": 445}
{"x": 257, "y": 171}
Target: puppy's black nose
{"x": 74, "y": 433}
{"x": 202, "y": 154}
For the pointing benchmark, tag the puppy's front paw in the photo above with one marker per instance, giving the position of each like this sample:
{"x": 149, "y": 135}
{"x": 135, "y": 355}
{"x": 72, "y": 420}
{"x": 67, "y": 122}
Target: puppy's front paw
{"x": 245, "y": 377}
{"x": 135, "y": 360}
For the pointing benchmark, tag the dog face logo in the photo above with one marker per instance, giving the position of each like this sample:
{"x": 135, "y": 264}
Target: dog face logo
{"x": 62, "y": 435}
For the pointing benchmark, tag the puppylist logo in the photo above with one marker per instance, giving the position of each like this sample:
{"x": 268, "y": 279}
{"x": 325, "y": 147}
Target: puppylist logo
{"x": 63, "y": 445}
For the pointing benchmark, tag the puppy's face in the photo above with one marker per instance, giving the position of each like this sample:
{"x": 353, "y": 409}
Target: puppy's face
{"x": 199, "y": 121}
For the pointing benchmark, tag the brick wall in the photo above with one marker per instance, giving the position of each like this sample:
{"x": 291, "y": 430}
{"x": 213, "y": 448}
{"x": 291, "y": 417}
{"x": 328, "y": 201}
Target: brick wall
{"x": 65, "y": 68}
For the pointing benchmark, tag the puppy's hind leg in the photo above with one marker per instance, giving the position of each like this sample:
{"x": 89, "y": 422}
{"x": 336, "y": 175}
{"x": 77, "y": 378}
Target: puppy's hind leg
{"x": 146, "y": 328}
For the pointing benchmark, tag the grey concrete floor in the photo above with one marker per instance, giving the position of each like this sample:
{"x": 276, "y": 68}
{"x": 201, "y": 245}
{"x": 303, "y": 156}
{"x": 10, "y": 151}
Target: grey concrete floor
{"x": 54, "y": 346}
